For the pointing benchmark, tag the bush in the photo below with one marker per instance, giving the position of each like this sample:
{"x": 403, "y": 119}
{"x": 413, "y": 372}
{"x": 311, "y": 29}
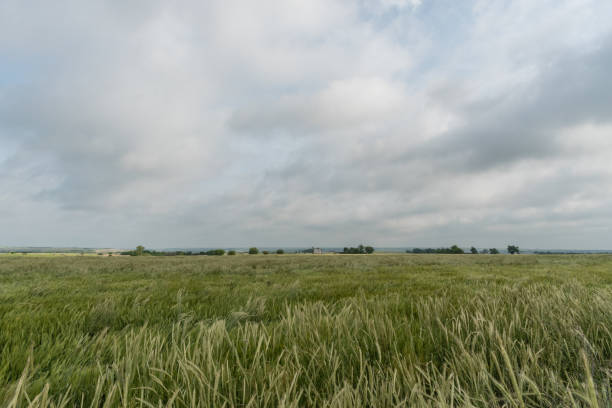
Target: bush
{"x": 280, "y": 251}
{"x": 231, "y": 252}
{"x": 253, "y": 251}
{"x": 265, "y": 252}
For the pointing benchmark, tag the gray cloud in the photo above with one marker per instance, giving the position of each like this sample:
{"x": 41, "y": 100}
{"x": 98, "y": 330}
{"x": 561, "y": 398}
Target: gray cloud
{"x": 526, "y": 122}
{"x": 220, "y": 123}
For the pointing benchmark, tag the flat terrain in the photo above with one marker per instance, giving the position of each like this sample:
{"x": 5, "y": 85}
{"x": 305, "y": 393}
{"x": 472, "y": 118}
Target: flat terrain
{"x": 306, "y": 330}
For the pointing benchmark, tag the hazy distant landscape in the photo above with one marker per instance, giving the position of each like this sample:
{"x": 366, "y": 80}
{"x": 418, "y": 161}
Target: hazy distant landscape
{"x": 76, "y": 250}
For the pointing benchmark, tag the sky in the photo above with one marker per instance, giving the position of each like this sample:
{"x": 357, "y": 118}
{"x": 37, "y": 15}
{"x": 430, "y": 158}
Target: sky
{"x": 296, "y": 123}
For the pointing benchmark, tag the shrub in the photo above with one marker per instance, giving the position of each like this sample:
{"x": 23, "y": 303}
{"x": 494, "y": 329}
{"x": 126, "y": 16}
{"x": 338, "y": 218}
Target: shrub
{"x": 253, "y": 251}
{"x": 280, "y": 251}
{"x": 265, "y": 252}
{"x": 231, "y": 252}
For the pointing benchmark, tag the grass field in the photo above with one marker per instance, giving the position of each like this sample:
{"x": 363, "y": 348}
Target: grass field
{"x": 304, "y": 330}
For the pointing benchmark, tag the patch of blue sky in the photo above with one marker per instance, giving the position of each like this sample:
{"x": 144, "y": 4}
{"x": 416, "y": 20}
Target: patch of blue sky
{"x": 20, "y": 70}
{"x": 448, "y": 26}
{"x": 8, "y": 147}
{"x": 437, "y": 28}
{"x": 12, "y": 75}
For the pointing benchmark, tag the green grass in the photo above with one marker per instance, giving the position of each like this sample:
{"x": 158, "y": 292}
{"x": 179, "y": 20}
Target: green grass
{"x": 304, "y": 330}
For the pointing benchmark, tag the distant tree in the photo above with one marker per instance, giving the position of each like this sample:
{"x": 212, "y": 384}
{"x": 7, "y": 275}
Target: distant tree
{"x": 280, "y": 251}
{"x": 231, "y": 252}
{"x": 456, "y": 250}
{"x": 484, "y": 251}
{"x": 359, "y": 250}
{"x": 253, "y": 251}
{"x": 265, "y": 252}
{"x": 473, "y": 250}
{"x": 139, "y": 250}
{"x": 513, "y": 249}
{"x": 493, "y": 251}
{"x": 452, "y": 250}
{"x": 213, "y": 252}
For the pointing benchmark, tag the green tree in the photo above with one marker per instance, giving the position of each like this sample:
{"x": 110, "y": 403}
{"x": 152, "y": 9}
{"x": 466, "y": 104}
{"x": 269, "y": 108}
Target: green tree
{"x": 265, "y": 252}
{"x": 253, "y": 251}
{"x": 513, "y": 249}
{"x": 473, "y": 250}
{"x": 493, "y": 251}
{"x": 280, "y": 251}
{"x": 456, "y": 250}
{"x": 139, "y": 250}
{"x": 231, "y": 252}
{"x": 369, "y": 249}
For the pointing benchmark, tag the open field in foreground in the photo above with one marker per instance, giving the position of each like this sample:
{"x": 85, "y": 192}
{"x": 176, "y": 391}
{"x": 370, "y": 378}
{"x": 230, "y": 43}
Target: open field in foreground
{"x": 303, "y": 330}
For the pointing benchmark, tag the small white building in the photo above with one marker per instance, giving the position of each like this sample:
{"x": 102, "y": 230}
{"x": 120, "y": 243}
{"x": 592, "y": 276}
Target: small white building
{"x": 317, "y": 251}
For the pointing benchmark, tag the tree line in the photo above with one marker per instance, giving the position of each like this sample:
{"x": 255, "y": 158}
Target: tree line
{"x": 141, "y": 251}
{"x": 360, "y": 249}
{"x": 455, "y": 249}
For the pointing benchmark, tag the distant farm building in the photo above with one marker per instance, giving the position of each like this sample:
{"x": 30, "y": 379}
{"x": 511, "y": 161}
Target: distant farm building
{"x": 317, "y": 251}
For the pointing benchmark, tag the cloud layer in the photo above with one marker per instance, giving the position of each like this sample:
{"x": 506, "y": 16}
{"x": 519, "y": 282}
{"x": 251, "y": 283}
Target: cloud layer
{"x": 219, "y": 123}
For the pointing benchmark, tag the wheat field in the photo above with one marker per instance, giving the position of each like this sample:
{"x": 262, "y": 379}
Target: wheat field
{"x": 379, "y": 330}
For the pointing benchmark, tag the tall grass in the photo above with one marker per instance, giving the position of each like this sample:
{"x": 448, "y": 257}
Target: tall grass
{"x": 294, "y": 331}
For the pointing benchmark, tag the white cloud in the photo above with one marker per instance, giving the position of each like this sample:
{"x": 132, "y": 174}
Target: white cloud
{"x": 296, "y": 122}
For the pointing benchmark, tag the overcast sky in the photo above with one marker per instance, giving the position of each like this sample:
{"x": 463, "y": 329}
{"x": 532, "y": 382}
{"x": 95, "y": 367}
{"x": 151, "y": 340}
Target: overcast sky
{"x": 298, "y": 123}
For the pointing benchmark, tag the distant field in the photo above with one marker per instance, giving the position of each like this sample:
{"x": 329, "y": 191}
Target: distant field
{"x": 306, "y": 330}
